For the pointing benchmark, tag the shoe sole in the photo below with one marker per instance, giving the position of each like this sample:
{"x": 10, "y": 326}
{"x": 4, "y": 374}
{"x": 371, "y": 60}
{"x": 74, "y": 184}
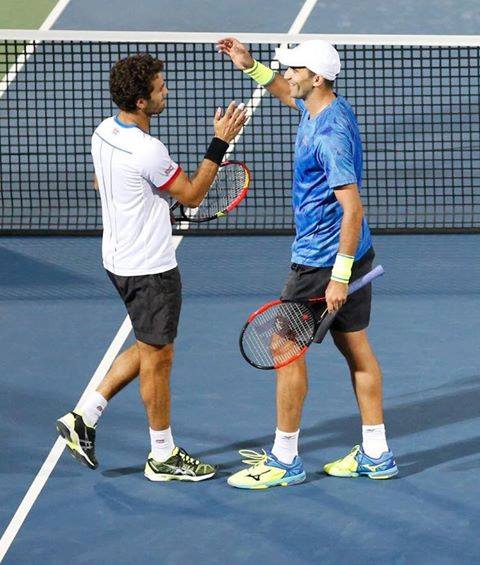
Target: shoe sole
{"x": 186, "y": 478}
{"x": 375, "y": 476}
{"x": 294, "y": 481}
{"x": 72, "y": 444}
{"x": 387, "y": 475}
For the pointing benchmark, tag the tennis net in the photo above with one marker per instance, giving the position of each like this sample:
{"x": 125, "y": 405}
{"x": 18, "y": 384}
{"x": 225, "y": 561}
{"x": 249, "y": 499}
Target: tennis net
{"x": 416, "y": 99}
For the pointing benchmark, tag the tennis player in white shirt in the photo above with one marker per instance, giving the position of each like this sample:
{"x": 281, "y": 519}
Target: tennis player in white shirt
{"x": 132, "y": 169}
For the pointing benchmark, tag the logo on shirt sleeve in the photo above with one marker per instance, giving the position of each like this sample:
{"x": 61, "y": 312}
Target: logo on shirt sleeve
{"x": 169, "y": 169}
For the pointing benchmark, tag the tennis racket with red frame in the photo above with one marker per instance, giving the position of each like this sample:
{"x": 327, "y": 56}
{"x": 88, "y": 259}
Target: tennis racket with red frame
{"x": 281, "y": 331}
{"x": 228, "y": 190}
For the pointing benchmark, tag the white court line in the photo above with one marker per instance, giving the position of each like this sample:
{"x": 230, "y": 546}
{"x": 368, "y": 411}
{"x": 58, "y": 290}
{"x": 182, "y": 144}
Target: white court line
{"x": 58, "y": 447}
{"x": 122, "y": 334}
{"x": 16, "y": 67}
{"x": 54, "y": 14}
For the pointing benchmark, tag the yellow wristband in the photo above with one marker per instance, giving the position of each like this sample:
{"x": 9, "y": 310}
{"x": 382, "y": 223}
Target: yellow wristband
{"x": 342, "y": 269}
{"x": 260, "y": 73}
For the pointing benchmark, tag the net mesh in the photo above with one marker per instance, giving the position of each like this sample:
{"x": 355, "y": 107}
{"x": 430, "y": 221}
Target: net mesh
{"x": 417, "y": 106}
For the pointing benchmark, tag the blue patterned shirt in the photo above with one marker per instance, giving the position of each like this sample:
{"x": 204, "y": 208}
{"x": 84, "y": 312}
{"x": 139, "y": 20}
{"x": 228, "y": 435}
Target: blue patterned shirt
{"x": 328, "y": 154}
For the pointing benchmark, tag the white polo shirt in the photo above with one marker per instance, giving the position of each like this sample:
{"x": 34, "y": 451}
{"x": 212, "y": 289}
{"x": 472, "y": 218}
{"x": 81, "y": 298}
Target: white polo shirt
{"x": 132, "y": 169}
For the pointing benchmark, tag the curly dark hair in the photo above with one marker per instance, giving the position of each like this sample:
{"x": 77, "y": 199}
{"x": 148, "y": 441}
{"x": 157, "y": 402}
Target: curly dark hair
{"x": 131, "y": 78}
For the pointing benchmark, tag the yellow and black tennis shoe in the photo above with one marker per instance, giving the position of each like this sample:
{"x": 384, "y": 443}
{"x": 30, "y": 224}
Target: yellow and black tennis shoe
{"x": 266, "y": 471}
{"x": 180, "y": 466}
{"x": 79, "y": 438}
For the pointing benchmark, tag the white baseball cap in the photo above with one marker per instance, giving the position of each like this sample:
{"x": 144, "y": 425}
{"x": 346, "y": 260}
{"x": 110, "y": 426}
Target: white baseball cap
{"x": 317, "y": 55}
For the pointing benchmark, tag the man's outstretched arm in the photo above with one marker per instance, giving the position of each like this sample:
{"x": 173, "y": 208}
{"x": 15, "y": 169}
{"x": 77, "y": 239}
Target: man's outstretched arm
{"x": 242, "y": 59}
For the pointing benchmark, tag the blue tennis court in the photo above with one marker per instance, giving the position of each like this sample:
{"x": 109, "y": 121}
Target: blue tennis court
{"x": 59, "y": 314}
{"x": 62, "y": 317}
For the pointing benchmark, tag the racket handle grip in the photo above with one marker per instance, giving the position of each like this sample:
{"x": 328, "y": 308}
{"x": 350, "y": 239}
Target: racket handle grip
{"x": 368, "y": 278}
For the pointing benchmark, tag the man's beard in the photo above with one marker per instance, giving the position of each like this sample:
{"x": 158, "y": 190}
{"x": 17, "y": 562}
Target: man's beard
{"x": 154, "y": 112}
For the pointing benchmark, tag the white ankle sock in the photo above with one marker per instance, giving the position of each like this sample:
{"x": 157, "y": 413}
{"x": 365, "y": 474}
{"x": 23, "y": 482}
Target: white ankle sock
{"x": 162, "y": 444}
{"x": 285, "y": 447}
{"x": 93, "y": 408}
{"x": 374, "y": 440}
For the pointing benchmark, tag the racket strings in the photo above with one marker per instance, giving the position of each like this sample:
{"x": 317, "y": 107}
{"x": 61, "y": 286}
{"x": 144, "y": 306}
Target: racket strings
{"x": 278, "y": 334}
{"x": 227, "y": 186}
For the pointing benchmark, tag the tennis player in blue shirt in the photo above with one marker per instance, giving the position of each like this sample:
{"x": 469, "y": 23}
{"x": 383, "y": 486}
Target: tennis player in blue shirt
{"x": 332, "y": 247}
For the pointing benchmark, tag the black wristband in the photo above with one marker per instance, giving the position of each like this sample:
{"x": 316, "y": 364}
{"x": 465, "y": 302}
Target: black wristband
{"x": 216, "y": 150}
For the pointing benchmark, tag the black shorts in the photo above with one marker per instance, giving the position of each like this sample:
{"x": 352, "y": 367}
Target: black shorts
{"x": 311, "y": 282}
{"x": 153, "y": 303}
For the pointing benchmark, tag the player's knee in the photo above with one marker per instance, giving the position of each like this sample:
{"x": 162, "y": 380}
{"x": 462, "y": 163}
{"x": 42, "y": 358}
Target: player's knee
{"x": 156, "y": 357}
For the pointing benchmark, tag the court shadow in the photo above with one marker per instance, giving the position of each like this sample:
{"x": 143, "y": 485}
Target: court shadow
{"x": 402, "y": 420}
{"x": 123, "y": 471}
{"x": 222, "y": 472}
{"x": 466, "y": 465}
{"x": 416, "y": 462}
{"x": 315, "y": 476}
{"x": 28, "y": 278}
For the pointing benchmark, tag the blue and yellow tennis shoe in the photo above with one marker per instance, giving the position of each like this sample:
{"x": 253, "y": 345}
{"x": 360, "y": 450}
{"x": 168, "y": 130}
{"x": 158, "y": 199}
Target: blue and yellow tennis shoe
{"x": 357, "y": 464}
{"x": 266, "y": 471}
